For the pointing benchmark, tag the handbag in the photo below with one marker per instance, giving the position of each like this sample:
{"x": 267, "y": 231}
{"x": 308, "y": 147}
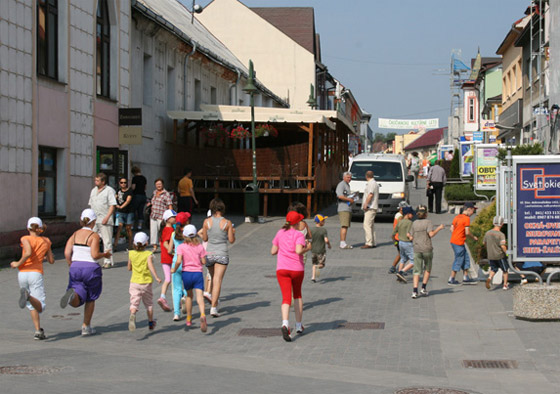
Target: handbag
{"x": 430, "y": 191}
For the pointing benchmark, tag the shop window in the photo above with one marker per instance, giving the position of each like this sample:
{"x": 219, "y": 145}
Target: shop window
{"x": 47, "y": 38}
{"x": 47, "y": 182}
{"x": 114, "y": 163}
{"x": 103, "y": 49}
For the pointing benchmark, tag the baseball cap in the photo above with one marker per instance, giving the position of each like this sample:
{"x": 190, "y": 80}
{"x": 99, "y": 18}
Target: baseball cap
{"x": 88, "y": 214}
{"x": 169, "y": 214}
{"x": 34, "y": 220}
{"x": 183, "y": 217}
{"x": 469, "y": 205}
{"x": 141, "y": 238}
{"x": 407, "y": 210}
{"x": 319, "y": 218}
{"x": 293, "y": 217}
{"x": 498, "y": 221}
{"x": 189, "y": 231}
{"x": 403, "y": 204}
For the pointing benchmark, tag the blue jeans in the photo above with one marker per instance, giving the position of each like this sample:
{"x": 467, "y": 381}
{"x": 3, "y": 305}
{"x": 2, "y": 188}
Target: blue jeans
{"x": 461, "y": 261}
{"x": 407, "y": 252}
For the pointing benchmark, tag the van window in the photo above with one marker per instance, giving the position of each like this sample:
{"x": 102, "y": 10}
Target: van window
{"x": 382, "y": 170}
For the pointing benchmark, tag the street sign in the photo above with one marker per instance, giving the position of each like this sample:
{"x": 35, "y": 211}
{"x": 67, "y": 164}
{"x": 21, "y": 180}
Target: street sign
{"x": 478, "y": 137}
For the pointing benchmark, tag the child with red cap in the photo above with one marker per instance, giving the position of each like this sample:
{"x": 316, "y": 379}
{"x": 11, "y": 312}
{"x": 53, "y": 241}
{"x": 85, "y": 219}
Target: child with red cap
{"x": 290, "y": 246}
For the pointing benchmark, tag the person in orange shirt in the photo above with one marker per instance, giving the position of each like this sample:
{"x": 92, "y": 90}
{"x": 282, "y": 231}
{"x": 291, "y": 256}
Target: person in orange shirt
{"x": 460, "y": 232}
{"x": 396, "y": 219}
{"x": 186, "y": 193}
{"x": 30, "y": 275}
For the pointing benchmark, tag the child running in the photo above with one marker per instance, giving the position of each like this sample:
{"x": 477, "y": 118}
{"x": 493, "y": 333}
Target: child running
{"x": 192, "y": 256}
{"x": 179, "y": 299}
{"x": 495, "y": 242}
{"x": 406, "y": 249}
{"x": 166, "y": 259}
{"x": 319, "y": 240}
{"x": 290, "y": 246}
{"x": 422, "y": 233}
{"x": 30, "y": 276}
{"x": 396, "y": 219}
{"x": 142, "y": 267}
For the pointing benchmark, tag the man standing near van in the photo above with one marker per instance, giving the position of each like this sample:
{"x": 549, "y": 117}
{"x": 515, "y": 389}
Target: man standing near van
{"x": 436, "y": 181}
{"x": 345, "y": 201}
{"x": 369, "y": 205}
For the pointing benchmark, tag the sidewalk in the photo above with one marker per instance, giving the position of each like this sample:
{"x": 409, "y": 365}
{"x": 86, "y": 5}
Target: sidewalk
{"x": 423, "y": 343}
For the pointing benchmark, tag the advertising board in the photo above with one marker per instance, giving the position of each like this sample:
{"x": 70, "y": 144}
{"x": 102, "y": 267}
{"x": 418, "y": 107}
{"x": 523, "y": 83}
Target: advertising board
{"x": 486, "y": 161}
{"x": 467, "y": 157}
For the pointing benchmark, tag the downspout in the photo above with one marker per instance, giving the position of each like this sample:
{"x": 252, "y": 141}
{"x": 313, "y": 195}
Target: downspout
{"x": 185, "y": 75}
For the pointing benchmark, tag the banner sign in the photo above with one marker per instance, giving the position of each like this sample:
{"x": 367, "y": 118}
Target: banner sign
{"x": 408, "y": 124}
{"x": 536, "y": 235}
{"x": 486, "y": 161}
{"x": 130, "y": 126}
{"x": 467, "y": 157}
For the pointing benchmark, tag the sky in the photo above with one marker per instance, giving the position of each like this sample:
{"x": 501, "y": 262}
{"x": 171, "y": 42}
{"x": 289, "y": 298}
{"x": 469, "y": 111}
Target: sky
{"x": 395, "y": 54}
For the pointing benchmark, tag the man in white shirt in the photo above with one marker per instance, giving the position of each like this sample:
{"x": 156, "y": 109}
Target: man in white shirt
{"x": 103, "y": 202}
{"x": 370, "y": 205}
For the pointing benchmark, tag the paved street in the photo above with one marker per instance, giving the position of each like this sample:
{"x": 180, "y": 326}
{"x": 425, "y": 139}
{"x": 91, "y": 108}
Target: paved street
{"x": 423, "y": 342}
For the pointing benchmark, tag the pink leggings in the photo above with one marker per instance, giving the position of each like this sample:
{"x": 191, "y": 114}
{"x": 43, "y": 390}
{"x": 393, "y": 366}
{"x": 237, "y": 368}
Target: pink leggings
{"x": 288, "y": 281}
{"x": 166, "y": 272}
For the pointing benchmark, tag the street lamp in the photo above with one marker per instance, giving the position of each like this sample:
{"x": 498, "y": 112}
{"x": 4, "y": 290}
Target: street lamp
{"x": 196, "y": 8}
{"x": 250, "y": 89}
{"x": 312, "y": 102}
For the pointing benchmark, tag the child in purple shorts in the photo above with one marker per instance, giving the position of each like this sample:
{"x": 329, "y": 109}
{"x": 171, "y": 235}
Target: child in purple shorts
{"x": 84, "y": 284}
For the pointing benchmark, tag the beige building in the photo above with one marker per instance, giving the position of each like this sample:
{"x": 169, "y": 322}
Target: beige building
{"x": 402, "y": 140}
{"x": 288, "y": 69}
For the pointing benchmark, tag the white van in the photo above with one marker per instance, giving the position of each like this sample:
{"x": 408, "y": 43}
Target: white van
{"x": 391, "y": 175}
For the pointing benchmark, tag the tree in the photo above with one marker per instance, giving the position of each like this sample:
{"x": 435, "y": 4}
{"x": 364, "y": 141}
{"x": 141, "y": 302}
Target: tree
{"x": 379, "y": 137}
{"x": 390, "y": 137}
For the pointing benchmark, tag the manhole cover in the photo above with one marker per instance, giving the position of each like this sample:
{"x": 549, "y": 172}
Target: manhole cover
{"x": 429, "y": 390}
{"x": 501, "y": 364}
{"x": 259, "y": 332}
{"x": 28, "y": 370}
{"x": 361, "y": 326}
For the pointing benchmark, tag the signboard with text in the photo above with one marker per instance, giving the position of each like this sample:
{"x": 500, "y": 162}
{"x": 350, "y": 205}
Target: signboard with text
{"x": 536, "y": 230}
{"x": 467, "y": 157}
{"x": 408, "y": 124}
{"x": 130, "y": 126}
{"x": 485, "y": 163}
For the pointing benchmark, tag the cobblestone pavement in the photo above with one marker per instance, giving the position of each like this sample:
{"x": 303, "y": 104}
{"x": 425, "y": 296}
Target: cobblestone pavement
{"x": 423, "y": 342}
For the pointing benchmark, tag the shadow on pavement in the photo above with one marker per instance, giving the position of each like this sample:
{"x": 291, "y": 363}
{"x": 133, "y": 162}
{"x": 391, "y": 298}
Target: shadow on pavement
{"x": 324, "y": 326}
{"x": 237, "y": 295}
{"x": 325, "y": 301}
{"x": 216, "y": 325}
{"x": 333, "y": 279}
{"x": 246, "y": 307}
{"x": 443, "y": 291}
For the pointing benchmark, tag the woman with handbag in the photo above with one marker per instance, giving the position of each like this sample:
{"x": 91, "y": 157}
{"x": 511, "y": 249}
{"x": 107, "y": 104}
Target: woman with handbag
{"x": 160, "y": 202}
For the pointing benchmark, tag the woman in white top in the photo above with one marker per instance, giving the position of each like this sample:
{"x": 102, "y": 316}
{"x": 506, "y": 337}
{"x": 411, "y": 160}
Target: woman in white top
{"x": 84, "y": 284}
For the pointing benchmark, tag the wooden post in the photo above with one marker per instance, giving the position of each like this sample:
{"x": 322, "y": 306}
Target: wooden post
{"x": 265, "y": 200}
{"x": 309, "y": 166}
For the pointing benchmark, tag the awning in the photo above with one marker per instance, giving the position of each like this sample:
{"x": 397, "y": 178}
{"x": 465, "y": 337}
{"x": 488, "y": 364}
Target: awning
{"x": 232, "y": 113}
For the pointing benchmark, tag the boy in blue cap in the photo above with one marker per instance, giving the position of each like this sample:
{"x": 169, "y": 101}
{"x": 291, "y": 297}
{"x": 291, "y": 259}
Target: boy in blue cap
{"x": 319, "y": 240}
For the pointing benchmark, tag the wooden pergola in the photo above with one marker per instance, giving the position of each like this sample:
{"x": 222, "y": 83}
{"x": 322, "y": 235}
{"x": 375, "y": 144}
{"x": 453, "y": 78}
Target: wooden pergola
{"x": 303, "y": 162}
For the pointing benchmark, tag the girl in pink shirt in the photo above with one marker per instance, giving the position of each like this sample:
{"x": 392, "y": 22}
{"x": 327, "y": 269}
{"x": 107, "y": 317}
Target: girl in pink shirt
{"x": 192, "y": 256}
{"x": 290, "y": 246}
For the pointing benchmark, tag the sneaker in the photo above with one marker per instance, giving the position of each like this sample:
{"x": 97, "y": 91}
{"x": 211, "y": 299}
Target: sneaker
{"x": 488, "y": 283}
{"x": 506, "y": 287}
{"x": 346, "y": 246}
{"x": 313, "y": 280}
{"x": 286, "y": 334}
{"x": 400, "y": 277}
{"x": 208, "y": 296}
{"x": 214, "y": 312}
{"x": 203, "y": 325}
{"x": 184, "y": 305}
{"x": 176, "y": 318}
{"x": 424, "y": 292}
{"x": 414, "y": 294}
{"x": 66, "y": 298}
{"x": 404, "y": 273}
{"x": 163, "y": 303}
{"x": 392, "y": 270}
{"x": 152, "y": 324}
{"x": 132, "y": 322}
{"x": 23, "y": 297}
{"x": 300, "y": 330}
{"x": 40, "y": 335}
{"x": 453, "y": 282}
{"x": 107, "y": 266}
{"x": 469, "y": 281}
{"x": 88, "y": 331}
{"x": 523, "y": 281}
{"x": 188, "y": 323}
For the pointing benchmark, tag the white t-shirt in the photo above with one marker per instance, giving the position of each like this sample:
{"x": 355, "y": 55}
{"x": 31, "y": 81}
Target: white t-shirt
{"x": 371, "y": 188}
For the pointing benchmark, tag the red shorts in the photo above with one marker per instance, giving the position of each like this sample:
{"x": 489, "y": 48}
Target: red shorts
{"x": 290, "y": 281}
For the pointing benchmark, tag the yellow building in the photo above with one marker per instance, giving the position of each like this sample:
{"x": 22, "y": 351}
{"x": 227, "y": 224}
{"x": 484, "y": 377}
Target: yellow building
{"x": 402, "y": 140}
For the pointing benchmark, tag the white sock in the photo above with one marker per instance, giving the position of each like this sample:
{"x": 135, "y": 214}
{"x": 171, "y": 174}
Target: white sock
{"x": 342, "y": 244}
{"x": 162, "y": 296}
{"x": 298, "y": 325}
{"x": 285, "y": 323}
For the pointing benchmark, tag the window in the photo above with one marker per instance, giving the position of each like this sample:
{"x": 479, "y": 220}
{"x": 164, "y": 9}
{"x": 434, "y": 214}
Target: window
{"x": 103, "y": 43}
{"x": 147, "y": 77}
{"x": 382, "y": 170}
{"x": 213, "y": 95}
{"x": 47, "y": 182}
{"x": 471, "y": 109}
{"x": 197, "y": 94}
{"x": 47, "y": 38}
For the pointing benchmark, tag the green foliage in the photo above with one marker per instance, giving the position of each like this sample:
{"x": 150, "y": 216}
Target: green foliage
{"x": 464, "y": 192}
{"x": 454, "y": 169}
{"x": 379, "y": 137}
{"x": 390, "y": 137}
{"x": 479, "y": 226}
{"x": 527, "y": 149}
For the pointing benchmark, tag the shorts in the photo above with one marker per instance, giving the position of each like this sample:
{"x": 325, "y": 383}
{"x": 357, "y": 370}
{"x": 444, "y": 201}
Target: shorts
{"x": 124, "y": 218}
{"x": 345, "y": 218}
{"x": 85, "y": 279}
{"x": 140, "y": 292}
{"x": 407, "y": 252}
{"x": 461, "y": 261}
{"x": 290, "y": 281}
{"x": 215, "y": 259}
{"x": 35, "y": 285}
{"x": 422, "y": 262}
{"x": 193, "y": 280}
{"x": 318, "y": 258}
{"x": 495, "y": 265}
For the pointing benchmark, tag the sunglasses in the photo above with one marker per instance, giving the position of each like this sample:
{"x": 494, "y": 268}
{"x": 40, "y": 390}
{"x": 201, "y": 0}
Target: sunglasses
{"x": 123, "y": 183}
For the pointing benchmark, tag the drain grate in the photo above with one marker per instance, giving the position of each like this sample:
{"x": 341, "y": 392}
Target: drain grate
{"x": 500, "y": 364}
{"x": 28, "y": 370}
{"x": 429, "y": 390}
{"x": 361, "y": 326}
{"x": 259, "y": 332}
